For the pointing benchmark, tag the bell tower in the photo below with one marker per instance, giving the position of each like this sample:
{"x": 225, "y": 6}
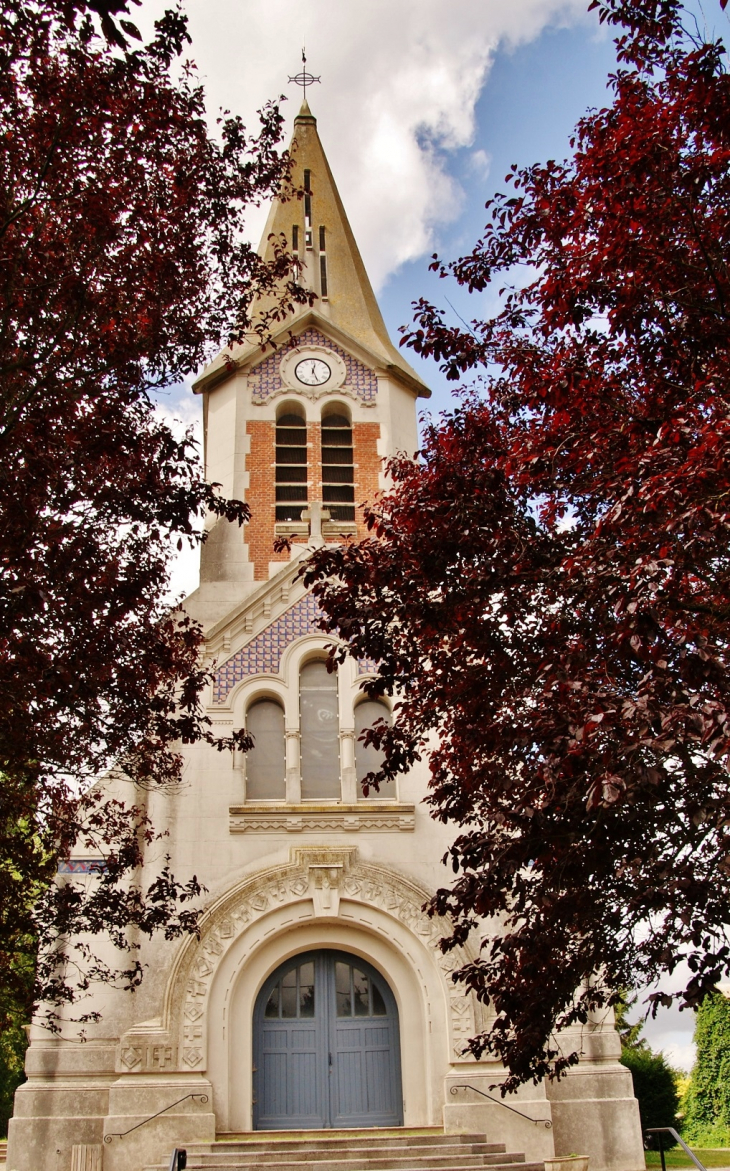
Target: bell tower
{"x": 300, "y": 429}
{"x": 315, "y": 994}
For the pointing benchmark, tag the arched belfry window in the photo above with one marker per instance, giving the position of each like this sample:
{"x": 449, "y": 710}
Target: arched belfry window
{"x": 368, "y": 758}
{"x": 338, "y": 475}
{"x": 320, "y": 732}
{"x": 266, "y": 761}
{"x": 291, "y": 466}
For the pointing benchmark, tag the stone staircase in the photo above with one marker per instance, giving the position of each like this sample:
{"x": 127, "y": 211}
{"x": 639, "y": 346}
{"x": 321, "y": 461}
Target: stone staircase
{"x": 347, "y": 1150}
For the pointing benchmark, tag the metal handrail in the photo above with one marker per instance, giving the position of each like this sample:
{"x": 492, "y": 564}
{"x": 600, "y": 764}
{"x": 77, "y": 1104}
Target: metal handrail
{"x": 546, "y": 1122}
{"x": 120, "y": 1134}
{"x": 670, "y": 1130}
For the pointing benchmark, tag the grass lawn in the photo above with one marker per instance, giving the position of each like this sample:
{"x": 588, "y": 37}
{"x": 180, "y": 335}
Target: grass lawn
{"x": 677, "y": 1158}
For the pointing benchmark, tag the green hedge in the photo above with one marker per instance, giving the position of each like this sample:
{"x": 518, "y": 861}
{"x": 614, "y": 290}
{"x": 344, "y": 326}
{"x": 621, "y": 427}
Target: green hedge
{"x": 707, "y": 1101}
{"x": 13, "y": 1044}
{"x": 655, "y": 1088}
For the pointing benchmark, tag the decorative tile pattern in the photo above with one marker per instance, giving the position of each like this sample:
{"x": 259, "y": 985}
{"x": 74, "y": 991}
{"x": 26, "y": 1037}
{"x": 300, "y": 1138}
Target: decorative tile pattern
{"x": 82, "y": 866}
{"x": 360, "y": 381}
{"x": 367, "y": 667}
{"x": 262, "y": 655}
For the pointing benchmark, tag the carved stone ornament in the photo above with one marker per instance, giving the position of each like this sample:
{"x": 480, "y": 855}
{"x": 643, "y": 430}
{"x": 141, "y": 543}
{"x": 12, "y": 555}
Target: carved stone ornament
{"x": 293, "y": 358}
{"x": 277, "y": 374}
{"x": 132, "y": 1056}
{"x": 325, "y": 876}
{"x": 316, "y": 817}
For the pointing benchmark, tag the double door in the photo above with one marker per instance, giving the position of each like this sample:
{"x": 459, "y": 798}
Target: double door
{"x": 326, "y": 1046}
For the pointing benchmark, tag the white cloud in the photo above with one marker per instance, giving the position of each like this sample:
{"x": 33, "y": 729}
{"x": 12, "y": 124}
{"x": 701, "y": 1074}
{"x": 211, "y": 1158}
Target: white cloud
{"x": 400, "y": 81}
{"x": 671, "y": 1030}
{"x": 182, "y": 412}
{"x": 480, "y": 162}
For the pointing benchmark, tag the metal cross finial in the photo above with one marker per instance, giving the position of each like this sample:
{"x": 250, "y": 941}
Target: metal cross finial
{"x": 304, "y": 78}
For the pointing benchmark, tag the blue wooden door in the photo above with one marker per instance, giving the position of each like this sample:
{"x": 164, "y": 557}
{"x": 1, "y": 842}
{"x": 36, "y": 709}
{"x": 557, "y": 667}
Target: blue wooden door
{"x": 326, "y": 1046}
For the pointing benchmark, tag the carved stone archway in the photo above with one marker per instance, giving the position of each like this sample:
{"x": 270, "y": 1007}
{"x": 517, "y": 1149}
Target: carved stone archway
{"x": 322, "y": 877}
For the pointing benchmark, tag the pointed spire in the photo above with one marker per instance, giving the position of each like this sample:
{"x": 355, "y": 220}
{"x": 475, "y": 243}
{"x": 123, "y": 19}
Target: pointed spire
{"x": 317, "y": 229}
{"x": 328, "y": 250}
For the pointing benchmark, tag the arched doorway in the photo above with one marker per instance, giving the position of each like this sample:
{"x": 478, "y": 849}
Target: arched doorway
{"x": 326, "y": 1046}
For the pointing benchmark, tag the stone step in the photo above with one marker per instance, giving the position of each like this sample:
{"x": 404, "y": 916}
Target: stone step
{"x": 379, "y": 1149}
{"x": 372, "y": 1135}
{"x": 236, "y": 1165}
{"x": 332, "y": 1131}
{"x": 297, "y": 1151}
{"x": 356, "y": 1158}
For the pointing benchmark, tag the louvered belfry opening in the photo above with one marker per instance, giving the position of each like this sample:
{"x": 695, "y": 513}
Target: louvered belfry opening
{"x": 291, "y": 467}
{"x": 338, "y": 474}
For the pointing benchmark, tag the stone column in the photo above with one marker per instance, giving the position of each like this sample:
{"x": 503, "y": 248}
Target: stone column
{"x": 350, "y": 790}
{"x": 593, "y": 1107}
{"x": 293, "y": 767}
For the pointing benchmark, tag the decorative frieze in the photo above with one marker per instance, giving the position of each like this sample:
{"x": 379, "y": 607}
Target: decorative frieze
{"x": 311, "y": 817}
{"x": 144, "y": 1054}
{"x": 82, "y": 866}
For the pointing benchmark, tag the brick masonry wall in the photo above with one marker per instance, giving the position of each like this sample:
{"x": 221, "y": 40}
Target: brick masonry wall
{"x": 314, "y": 458}
{"x": 261, "y": 495}
{"x": 367, "y": 468}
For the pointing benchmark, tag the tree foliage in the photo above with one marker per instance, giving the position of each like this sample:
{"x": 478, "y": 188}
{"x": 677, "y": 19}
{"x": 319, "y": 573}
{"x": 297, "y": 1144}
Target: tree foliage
{"x": 654, "y": 1080}
{"x": 707, "y": 1101}
{"x": 546, "y": 591}
{"x": 123, "y": 263}
{"x": 13, "y": 1044}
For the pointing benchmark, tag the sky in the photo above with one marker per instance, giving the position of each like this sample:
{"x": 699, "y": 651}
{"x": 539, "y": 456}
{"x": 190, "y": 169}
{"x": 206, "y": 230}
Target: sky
{"x": 422, "y": 107}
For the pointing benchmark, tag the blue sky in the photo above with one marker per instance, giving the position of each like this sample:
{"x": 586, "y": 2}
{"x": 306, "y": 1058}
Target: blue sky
{"x": 527, "y": 109}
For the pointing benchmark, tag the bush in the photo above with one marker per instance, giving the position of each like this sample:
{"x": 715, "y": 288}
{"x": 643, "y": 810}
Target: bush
{"x": 656, "y": 1090}
{"x": 13, "y": 1044}
{"x": 707, "y": 1102}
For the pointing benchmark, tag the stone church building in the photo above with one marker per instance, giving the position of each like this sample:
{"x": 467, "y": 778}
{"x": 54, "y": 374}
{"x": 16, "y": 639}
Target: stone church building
{"x": 316, "y": 998}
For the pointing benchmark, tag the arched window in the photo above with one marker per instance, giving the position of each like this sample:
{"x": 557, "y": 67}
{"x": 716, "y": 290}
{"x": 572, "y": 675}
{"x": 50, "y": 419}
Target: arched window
{"x": 368, "y": 759}
{"x": 338, "y": 476}
{"x": 266, "y": 761}
{"x": 291, "y": 466}
{"x": 320, "y": 732}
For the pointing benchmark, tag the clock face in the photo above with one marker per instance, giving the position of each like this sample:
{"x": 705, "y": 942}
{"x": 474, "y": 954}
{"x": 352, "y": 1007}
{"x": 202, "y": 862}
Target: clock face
{"x": 312, "y": 372}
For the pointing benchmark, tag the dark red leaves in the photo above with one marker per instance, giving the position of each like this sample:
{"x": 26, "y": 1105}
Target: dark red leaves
{"x": 549, "y": 593}
{"x": 123, "y": 264}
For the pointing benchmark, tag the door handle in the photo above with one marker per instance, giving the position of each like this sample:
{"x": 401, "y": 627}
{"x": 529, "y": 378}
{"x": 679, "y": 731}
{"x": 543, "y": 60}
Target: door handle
{"x": 330, "y": 1058}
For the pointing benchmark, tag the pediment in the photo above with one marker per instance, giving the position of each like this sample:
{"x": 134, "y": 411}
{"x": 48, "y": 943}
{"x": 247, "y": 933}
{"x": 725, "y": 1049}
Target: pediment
{"x": 248, "y": 358}
{"x": 291, "y": 333}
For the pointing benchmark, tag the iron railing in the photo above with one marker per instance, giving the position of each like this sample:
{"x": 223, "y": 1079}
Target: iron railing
{"x": 498, "y": 1102}
{"x": 660, "y": 1130}
{"x": 120, "y": 1134}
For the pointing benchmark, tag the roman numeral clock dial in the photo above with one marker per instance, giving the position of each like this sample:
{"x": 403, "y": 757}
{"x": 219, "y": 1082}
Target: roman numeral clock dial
{"x": 312, "y": 372}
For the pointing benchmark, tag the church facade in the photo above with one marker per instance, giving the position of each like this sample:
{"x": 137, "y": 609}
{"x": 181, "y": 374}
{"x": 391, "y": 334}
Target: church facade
{"x": 316, "y": 996}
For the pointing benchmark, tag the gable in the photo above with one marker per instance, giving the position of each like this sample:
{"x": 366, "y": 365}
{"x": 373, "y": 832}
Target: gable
{"x": 266, "y": 381}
